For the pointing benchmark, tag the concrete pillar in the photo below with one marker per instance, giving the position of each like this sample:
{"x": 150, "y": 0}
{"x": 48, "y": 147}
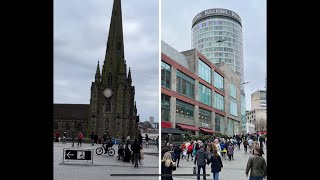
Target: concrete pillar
{"x": 196, "y": 118}
{"x": 173, "y": 111}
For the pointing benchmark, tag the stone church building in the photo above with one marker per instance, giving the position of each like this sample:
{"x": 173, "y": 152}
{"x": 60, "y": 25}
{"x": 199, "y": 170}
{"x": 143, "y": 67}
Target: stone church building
{"x": 112, "y": 106}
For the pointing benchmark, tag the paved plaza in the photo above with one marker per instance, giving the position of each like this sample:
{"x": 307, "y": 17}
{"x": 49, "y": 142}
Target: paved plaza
{"x": 232, "y": 170}
{"x": 103, "y": 165}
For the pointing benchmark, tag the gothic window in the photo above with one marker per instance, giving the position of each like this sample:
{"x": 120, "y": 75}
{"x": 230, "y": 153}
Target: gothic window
{"x": 55, "y": 125}
{"x": 79, "y": 126}
{"x": 67, "y": 126}
{"x": 110, "y": 79}
{"x": 108, "y": 106}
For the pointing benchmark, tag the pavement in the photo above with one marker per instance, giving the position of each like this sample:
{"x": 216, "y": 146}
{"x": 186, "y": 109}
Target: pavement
{"x": 103, "y": 165}
{"x": 232, "y": 170}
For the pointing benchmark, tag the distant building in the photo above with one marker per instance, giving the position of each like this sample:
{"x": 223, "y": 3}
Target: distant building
{"x": 197, "y": 96}
{"x": 259, "y": 100}
{"x": 258, "y": 113}
{"x": 151, "y": 120}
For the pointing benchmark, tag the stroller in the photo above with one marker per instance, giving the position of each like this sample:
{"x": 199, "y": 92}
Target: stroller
{"x": 120, "y": 152}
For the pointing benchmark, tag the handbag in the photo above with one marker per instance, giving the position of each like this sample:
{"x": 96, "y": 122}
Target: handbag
{"x": 173, "y": 167}
{"x": 194, "y": 169}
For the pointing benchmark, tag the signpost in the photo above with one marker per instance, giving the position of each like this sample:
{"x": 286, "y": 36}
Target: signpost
{"x": 78, "y": 155}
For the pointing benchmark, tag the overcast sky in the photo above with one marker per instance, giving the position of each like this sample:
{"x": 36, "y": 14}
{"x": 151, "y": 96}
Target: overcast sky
{"x": 80, "y": 35}
{"x": 176, "y": 19}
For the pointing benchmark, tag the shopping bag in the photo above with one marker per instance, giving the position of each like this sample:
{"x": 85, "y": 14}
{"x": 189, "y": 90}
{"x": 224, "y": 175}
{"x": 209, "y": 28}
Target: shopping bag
{"x": 194, "y": 169}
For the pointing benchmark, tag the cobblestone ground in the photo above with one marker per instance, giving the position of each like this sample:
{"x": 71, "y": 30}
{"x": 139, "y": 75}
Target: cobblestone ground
{"x": 232, "y": 170}
{"x": 103, "y": 165}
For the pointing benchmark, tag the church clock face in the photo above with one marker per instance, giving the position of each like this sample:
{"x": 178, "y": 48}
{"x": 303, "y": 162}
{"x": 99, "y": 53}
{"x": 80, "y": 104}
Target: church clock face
{"x": 107, "y": 92}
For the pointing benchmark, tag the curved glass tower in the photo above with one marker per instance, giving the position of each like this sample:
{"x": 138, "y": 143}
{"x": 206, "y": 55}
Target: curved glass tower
{"x": 217, "y": 34}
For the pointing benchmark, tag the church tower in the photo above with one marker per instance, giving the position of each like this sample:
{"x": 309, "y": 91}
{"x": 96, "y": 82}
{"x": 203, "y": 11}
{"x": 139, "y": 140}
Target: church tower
{"x": 112, "y": 103}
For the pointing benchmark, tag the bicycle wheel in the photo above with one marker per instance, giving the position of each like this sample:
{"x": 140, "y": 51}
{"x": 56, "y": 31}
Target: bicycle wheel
{"x": 99, "y": 150}
{"x": 111, "y": 152}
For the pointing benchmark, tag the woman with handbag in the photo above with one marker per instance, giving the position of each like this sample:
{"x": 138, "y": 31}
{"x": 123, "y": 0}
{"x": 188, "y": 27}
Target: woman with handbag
{"x": 167, "y": 166}
{"x": 216, "y": 164}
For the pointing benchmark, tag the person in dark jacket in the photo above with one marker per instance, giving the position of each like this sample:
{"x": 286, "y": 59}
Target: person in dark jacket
{"x": 104, "y": 137}
{"x": 127, "y": 154}
{"x": 200, "y": 159}
{"x": 135, "y": 148}
{"x": 216, "y": 164}
{"x": 257, "y": 166}
{"x": 177, "y": 153}
{"x": 92, "y": 138}
{"x": 167, "y": 166}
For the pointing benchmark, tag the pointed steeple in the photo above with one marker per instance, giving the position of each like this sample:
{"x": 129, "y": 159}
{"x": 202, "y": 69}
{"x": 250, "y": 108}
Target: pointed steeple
{"x": 114, "y": 58}
{"x": 129, "y": 76}
{"x": 98, "y": 76}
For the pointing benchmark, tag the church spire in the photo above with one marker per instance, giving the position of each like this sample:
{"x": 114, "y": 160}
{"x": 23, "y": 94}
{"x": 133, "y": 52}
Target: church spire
{"x": 114, "y": 58}
{"x": 129, "y": 76}
{"x": 97, "y": 76}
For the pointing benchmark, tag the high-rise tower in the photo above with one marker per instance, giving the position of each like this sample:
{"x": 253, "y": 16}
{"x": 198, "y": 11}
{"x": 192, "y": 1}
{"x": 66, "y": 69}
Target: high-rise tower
{"x": 217, "y": 34}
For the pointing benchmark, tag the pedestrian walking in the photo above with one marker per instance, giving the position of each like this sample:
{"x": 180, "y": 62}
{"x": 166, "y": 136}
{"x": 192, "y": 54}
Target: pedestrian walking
{"x": 200, "y": 160}
{"x": 250, "y": 143}
{"x": 80, "y": 136}
{"x": 147, "y": 140}
{"x": 135, "y": 148}
{"x": 73, "y": 138}
{"x": 245, "y": 145}
{"x": 230, "y": 151}
{"x": 127, "y": 154}
{"x": 216, "y": 164}
{"x": 167, "y": 166}
{"x": 190, "y": 149}
{"x": 92, "y": 138}
{"x": 257, "y": 166}
{"x": 64, "y": 137}
{"x": 177, "y": 153}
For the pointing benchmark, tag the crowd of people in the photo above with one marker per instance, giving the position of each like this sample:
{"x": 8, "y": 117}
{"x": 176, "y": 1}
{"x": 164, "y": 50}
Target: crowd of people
{"x": 212, "y": 152}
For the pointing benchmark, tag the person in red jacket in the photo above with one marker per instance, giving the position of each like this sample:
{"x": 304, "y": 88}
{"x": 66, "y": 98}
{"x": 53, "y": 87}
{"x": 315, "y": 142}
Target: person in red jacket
{"x": 189, "y": 151}
{"x": 80, "y": 136}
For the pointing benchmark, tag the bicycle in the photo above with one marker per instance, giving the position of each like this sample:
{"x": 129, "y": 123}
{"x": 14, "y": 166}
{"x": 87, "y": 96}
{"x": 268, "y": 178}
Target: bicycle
{"x": 102, "y": 149}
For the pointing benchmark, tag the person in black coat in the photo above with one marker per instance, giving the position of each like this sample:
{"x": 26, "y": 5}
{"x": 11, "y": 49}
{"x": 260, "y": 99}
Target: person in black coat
{"x": 135, "y": 148}
{"x": 167, "y": 166}
{"x": 216, "y": 164}
{"x": 127, "y": 154}
{"x": 177, "y": 152}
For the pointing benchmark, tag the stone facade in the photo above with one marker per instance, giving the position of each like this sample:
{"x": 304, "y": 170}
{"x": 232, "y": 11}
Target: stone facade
{"x": 112, "y": 103}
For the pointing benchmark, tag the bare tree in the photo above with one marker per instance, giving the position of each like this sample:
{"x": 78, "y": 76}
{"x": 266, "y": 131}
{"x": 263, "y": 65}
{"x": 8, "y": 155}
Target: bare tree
{"x": 260, "y": 124}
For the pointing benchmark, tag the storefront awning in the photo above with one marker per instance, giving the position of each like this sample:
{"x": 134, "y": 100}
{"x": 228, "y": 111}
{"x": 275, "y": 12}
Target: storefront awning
{"x": 206, "y": 130}
{"x": 166, "y": 124}
{"x": 187, "y": 127}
